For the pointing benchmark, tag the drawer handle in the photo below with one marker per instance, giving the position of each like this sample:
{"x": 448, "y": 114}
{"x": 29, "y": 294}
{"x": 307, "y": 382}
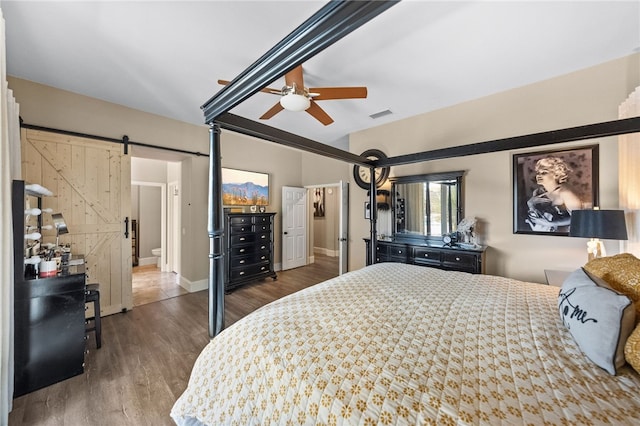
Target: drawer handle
{"x": 399, "y": 251}
{"x": 242, "y": 229}
{"x": 242, "y": 238}
{"x": 241, "y": 250}
{"x": 263, "y": 257}
{"x": 263, "y": 268}
{"x": 263, "y": 237}
{"x": 426, "y": 255}
{"x": 263, "y": 247}
{"x": 242, "y": 273}
{"x": 242, "y": 261}
{"x": 457, "y": 259}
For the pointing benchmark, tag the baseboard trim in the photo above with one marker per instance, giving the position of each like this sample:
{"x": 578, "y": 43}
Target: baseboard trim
{"x": 142, "y": 261}
{"x": 193, "y": 286}
{"x": 326, "y": 251}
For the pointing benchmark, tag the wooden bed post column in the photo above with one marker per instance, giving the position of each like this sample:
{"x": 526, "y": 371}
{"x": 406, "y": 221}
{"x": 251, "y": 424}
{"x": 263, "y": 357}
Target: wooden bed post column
{"x": 215, "y": 229}
{"x": 373, "y": 215}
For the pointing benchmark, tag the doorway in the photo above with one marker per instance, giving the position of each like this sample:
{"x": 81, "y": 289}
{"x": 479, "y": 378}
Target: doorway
{"x": 155, "y": 201}
{"x": 328, "y": 228}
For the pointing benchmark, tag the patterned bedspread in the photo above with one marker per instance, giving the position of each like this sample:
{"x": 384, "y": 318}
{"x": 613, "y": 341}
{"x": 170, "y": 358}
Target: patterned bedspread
{"x": 402, "y": 344}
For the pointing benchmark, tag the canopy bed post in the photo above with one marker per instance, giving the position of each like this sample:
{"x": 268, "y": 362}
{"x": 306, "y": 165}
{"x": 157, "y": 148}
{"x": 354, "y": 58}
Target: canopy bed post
{"x": 216, "y": 235}
{"x": 373, "y": 214}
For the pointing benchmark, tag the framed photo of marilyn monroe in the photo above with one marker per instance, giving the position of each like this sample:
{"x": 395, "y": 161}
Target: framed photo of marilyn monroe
{"x": 548, "y": 185}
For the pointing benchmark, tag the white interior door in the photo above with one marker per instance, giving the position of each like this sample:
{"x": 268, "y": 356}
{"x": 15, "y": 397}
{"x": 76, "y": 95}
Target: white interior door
{"x": 294, "y": 227}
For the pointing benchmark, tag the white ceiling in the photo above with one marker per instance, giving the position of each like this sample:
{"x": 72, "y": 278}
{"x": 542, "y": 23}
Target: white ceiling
{"x": 165, "y": 57}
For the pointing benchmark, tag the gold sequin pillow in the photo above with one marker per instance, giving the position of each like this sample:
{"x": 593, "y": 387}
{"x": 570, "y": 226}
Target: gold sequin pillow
{"x": 632, "y": 349}
{"x": 621, "y": 272}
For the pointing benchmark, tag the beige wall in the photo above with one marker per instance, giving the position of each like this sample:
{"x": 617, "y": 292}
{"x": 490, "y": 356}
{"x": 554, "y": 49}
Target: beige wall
{"x": 49, "y": 107}
{"x": 584, "y": 97}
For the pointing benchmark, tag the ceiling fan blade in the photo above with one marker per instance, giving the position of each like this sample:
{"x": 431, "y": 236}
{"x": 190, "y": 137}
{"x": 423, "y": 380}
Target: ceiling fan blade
{"x": 272, "y": 111}
{"x": 327, "y": 93}
{"x": 265, "y": 90}
{"x": 319, "y": 114}
{"x": 294, "y": 76}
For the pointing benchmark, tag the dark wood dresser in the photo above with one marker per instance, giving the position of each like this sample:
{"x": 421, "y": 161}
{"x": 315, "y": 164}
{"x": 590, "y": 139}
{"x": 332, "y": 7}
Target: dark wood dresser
{"x": 249, "y": 248}
{"x": 453, "y": 258}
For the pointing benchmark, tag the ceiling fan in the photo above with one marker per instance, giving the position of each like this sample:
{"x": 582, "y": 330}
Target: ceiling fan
{"x": 296, "y": 97}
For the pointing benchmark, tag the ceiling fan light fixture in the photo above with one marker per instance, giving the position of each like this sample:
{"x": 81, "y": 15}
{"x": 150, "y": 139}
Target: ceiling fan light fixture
{"x": 295, "y": 102}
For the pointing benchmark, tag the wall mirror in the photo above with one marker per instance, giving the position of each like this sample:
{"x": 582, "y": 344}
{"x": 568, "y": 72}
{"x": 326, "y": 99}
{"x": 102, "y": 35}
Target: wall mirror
{"x": 426, "y": 206}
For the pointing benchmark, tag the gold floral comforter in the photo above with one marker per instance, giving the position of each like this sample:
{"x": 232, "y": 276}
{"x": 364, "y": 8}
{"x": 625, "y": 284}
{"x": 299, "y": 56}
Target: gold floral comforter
{"x": 402, "y": 344}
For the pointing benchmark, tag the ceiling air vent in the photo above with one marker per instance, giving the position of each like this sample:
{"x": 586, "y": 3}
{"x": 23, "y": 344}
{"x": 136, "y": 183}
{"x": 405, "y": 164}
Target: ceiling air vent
{"x": 380, "y": 114}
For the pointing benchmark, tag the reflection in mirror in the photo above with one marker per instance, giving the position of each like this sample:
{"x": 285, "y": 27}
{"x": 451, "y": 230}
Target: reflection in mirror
{"x": 427, "y": 205}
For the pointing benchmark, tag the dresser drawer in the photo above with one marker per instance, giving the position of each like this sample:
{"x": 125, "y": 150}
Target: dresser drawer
{"x": 242, "y": 238}
{"x": 262, "y": 227}
{"x": 241, "y": 229}
{"x": 262, "y": 220}
{"x": 263, "y": 237}
{"x": 240, "y": 220}
{"x": 242, "y": 250}
{"x": 397, "y": 253}
{"x": 242, "y": 261}
{"x": 248, "y": 271}
{"x": 460, "y": 261}
{"x": 426, "y": 256}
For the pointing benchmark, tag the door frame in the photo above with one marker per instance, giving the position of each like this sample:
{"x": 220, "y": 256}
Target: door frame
{"x": 343, "y": 217}
{"x": 173, "y": 226}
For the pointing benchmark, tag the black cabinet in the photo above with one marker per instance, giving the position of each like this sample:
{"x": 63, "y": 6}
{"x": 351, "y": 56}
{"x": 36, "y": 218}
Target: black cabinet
{"x": 249, "y": 248}
{"x": 451, "y": 258}
{"x": 49, "y": 324}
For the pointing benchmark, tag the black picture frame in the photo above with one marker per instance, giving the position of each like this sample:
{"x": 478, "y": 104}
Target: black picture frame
{"x": 542, "y": 205}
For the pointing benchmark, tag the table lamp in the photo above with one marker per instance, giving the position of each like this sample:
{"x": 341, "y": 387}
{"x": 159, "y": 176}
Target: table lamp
{"x": 596, "y": 224}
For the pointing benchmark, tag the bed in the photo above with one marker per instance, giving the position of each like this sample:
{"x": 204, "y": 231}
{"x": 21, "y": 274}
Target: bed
{"x": 404, "y": 344}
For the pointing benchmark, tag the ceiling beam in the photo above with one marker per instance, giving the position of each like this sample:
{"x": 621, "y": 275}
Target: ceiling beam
{"x": 572, "y": 134}
{"x": 332, "y": 22}
{"x": 248, "y": 127}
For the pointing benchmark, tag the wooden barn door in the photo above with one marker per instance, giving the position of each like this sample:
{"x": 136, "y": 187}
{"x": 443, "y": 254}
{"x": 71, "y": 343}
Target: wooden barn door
{"x": 91, "y": 183}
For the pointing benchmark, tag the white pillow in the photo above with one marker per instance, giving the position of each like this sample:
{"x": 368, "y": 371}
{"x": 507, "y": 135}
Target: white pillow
{"x": 599, "y": 319}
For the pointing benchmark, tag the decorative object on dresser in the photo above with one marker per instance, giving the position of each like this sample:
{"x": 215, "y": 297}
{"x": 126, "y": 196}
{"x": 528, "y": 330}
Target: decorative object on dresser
{"x": 249, "y": 248}
{"x": 49, "y": 312}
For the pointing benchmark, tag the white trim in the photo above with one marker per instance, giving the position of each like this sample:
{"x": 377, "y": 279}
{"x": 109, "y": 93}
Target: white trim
{"x": 326, "y": 251}
{"x": 192, "y": 287}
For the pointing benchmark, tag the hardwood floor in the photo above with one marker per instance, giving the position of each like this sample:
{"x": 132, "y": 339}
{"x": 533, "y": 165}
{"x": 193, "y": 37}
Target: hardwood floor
{"x": 147, "y": 355}
{"x": 150, "y": 284}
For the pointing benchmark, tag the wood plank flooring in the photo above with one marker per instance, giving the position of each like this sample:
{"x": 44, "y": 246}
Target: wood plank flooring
{"x": 150, "y": 284}
{"x": 147, "y": 355}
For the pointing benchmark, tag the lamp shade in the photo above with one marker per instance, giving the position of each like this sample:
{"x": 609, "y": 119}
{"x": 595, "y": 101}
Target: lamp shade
{"x": 295, "y": 102}
{"x": 604, "y": 224}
